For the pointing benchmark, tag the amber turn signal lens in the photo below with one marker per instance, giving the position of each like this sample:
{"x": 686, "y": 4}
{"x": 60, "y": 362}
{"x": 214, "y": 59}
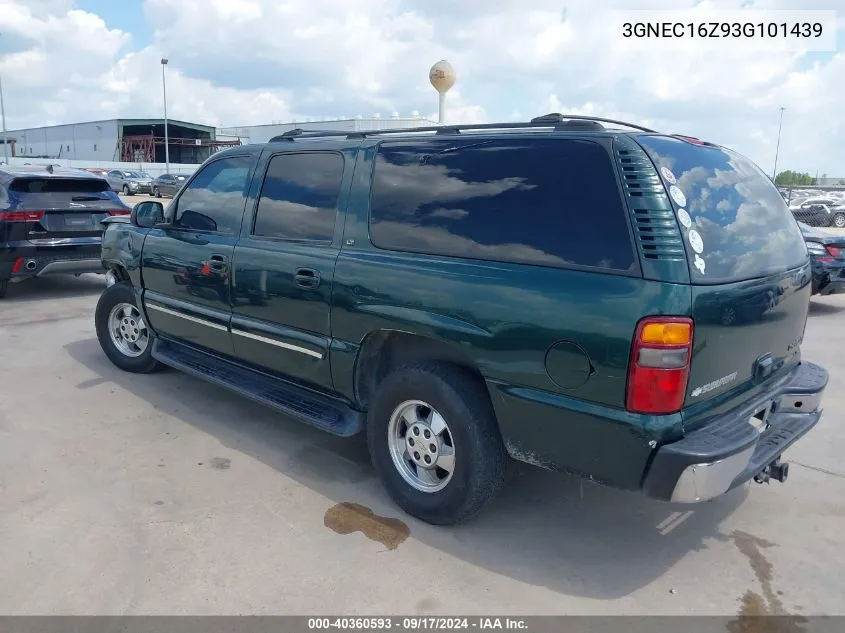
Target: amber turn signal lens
{"x": 666, "y": 334}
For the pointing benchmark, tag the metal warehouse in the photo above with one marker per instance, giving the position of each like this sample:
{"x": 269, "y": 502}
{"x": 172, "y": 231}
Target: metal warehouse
{"x": 119, "y": 140}
{"x": 263, "y": 133}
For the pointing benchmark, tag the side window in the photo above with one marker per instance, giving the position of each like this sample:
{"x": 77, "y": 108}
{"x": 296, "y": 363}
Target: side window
{"x": 552, "y": 202}
{"x": 299, "y": 197}
{"x": 214, "y": 201}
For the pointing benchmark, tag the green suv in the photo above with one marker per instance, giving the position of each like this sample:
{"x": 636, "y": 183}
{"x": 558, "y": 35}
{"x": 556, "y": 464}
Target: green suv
{"x": 581, "y": 294}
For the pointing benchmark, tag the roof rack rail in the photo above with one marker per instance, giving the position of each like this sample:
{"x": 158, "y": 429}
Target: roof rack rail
{"x": 559, "y": 122}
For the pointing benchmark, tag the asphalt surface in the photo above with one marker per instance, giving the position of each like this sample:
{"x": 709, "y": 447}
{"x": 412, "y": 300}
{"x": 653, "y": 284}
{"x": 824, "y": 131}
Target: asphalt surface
{"x": 140, "y": 494}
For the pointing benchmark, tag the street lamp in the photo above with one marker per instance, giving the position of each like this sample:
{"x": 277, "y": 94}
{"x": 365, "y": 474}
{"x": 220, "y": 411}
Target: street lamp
{"x": 777, "y": 147}
{"x": 3, "y": 116}
{"x": 166, "y": 137}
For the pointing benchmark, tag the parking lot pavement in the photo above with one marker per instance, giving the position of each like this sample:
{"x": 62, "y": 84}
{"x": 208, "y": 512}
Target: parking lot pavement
{"x": 159, "y": 493}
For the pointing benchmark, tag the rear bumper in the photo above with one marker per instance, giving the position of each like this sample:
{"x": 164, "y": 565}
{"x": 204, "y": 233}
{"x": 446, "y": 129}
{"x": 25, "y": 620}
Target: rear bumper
{"x": 729, "y": 452}
{"x": 38, "y": 261}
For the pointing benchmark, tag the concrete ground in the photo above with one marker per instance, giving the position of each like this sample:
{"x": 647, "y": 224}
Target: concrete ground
{"x": 128, "y": 494}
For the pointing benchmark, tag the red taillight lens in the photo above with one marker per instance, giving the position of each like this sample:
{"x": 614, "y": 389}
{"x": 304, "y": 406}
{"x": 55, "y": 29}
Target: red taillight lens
{"x": 21, "y": 216}
{"x": 119, "y": 211}
{"x": 16, "y": 267}
{"x": 834, "y": 250}
{"x": 659, "y": 368}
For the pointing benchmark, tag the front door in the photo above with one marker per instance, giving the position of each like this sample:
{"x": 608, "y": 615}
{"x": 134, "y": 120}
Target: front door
{"x": 284, "y": 265}
{"x": 186, "y": 266}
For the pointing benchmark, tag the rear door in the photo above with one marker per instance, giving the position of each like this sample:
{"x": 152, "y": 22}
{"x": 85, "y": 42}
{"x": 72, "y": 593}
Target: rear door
{"x": 748, "y": 265}
{"x": 284, "y": 265}
{"x": 58, "y": 208}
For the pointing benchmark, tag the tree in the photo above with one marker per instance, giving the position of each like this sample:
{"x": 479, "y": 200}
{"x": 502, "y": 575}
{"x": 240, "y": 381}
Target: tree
{"x": 789, "y": 178}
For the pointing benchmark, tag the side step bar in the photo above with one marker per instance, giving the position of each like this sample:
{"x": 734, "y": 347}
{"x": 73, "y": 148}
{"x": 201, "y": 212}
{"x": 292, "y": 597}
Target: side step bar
{"x": 318, "y": 410}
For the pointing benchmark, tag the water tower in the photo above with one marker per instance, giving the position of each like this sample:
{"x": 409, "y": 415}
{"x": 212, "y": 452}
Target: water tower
{"x": 442, "y": 77}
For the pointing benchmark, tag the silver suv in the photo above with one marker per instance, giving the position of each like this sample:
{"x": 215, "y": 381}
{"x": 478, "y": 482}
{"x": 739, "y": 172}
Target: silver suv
{"x": 129, "y": 182}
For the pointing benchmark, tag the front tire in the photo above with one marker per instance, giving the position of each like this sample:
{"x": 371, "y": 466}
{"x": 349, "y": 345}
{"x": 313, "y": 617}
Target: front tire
{"x": 435, "y": 443}
{"x": 123, "y": 332}
{"x": 125, "y": 190}
{"x": 839, "y": 220}
{"x": 156, "y": 192}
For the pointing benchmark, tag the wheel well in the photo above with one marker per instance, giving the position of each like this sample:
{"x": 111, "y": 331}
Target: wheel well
{"x": 120, "y": 272}
{"x": 386, "y": 350}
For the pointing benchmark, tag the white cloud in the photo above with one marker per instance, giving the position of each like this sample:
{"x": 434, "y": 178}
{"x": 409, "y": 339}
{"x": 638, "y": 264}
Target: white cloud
{"x": 236, "y": 62}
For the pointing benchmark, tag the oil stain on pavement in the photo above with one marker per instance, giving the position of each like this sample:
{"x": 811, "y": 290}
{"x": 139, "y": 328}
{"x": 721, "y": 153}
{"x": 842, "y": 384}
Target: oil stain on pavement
{"x": 347, "y": 518}
{"x": 762, "y": 613}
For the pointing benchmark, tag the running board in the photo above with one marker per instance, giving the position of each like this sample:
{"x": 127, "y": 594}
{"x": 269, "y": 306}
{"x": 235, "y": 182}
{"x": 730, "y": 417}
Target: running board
{"x": 321, "y": 411}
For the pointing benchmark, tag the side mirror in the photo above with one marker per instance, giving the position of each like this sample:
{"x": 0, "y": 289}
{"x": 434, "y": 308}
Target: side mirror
{"x": 147, "y": 214}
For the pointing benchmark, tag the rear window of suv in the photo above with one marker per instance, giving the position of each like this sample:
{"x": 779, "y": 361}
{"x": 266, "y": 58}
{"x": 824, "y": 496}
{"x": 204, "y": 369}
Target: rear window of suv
{"x": 739, "y": 221}
{"x": 59, "y": 185}
{"x": 548, "y": 202}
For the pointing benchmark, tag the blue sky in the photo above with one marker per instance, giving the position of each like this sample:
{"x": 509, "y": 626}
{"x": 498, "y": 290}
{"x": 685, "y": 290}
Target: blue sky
{"x": 237, "y": 62}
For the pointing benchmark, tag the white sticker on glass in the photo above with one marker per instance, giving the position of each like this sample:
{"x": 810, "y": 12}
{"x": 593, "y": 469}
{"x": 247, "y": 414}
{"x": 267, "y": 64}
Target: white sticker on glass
{"x": 695, "y": 241}
{"x": 678, "y": 196}
{"x": 668, "y": 175}
{"x": 699, "y": 263}
{"x": 684, "y": 218}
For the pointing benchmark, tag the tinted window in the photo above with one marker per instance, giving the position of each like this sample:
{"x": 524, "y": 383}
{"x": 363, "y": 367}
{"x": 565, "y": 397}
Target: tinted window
{"x": 214, "y": 200}
{"x": 299, "y": 197}
{"x": 745, "y": 228}
{"x": 59, "y": 185}
{"x": 537, "y": 201}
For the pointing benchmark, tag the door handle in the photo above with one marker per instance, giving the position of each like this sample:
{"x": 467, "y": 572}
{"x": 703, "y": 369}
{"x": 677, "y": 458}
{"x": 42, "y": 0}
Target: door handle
{"x": 217, "y": 262}
{"x": 306, "y": 278}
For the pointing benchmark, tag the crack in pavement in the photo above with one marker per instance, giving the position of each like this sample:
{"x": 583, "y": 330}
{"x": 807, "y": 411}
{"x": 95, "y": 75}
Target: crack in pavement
{"x": 820, "y": 470}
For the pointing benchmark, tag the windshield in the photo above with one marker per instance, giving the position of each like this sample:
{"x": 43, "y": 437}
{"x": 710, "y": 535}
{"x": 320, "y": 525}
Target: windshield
{"x": 735, "y": 223}
{"x": 131, "y": 174}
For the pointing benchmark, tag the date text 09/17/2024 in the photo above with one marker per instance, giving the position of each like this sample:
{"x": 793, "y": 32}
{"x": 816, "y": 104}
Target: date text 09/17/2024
{"x": 416, "y": 623}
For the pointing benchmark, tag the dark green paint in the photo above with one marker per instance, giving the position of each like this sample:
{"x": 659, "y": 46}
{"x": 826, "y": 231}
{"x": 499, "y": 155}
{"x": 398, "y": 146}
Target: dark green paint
{"x": 553, "y": 344}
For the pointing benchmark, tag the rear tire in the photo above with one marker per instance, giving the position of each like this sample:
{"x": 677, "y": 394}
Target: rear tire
{"x": 4, "y": 285}
{"x": 448, "y": 419}
{"x": 123, "y": 332}
{"x": 839, "y": 220}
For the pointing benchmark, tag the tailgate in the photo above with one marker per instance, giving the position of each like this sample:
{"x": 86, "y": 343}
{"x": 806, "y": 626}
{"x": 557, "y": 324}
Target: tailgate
{"x": 67, "y": 207}
{"x": 745, "y": 332}
{"x": 748, "y": 266}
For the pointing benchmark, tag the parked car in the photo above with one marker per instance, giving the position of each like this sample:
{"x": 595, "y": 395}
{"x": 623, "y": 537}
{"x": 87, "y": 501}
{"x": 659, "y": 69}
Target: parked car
{"x": 168, "y": 184}
{"x": 50, "y": 222}
{"x": 826, "y": 211}
{"x": 466, "y": 293}
{"x": 130, "y": 182}
{"x": 827, "y": 254}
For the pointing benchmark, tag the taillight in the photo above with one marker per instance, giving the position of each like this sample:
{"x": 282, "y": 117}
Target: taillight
{"x": 659, "y": 368}
{"x": 834, "y": 250}
{"x": 119, "y": 211}
{"x": 21, "y": 216}
{"x": 16, "y": 267}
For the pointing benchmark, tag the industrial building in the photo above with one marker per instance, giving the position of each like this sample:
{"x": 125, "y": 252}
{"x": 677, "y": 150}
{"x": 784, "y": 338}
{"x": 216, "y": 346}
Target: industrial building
{"x": 119, "y": 140}
{"x": 263, "y": 133}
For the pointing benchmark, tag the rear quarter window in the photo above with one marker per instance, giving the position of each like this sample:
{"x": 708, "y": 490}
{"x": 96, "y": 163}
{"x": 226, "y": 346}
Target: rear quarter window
{"x": 745, "y": 228}
{"x": 548, "y": 202}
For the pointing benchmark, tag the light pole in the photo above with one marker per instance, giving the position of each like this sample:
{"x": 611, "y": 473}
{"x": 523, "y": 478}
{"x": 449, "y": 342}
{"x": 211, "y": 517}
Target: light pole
{"x": 3, "y": 116}
{"x": 777, "y": 147}
{"x": 166, "y": 137}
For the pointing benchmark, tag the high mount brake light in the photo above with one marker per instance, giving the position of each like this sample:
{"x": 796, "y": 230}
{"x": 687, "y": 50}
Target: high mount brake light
{"x": 659, "y": 367}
